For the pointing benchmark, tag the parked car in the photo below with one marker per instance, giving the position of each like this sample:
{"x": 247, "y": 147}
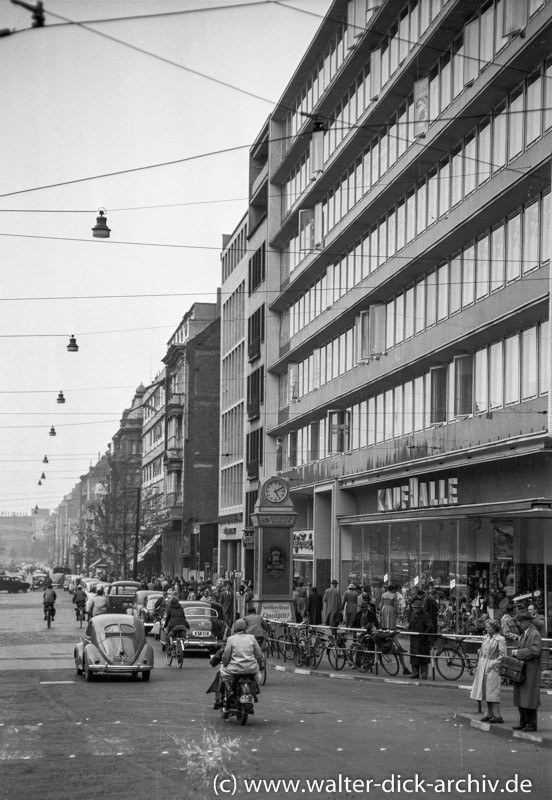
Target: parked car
{"x": 120, "y": 596}
{"x": 145, "y": 611}
{"x": 200, "y": 615}
{"x": 12, "y": 585}
{"x": 39, "y": 579}
{"x": 114, "y": 644}
{"x": 71, "y": 583}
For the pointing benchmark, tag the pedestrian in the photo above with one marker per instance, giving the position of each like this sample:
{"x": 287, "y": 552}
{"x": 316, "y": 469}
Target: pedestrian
{"x": 527, "y": 694}
{"x": 390, "y": 608}
{"x": 420, "y": 645}
{"x": 331, "y": 603}
{"x": 227, "y": 602}
{"x": 508, "y": 626}
{"x": 301, "y": 604}
{"x": 350, "y": 605}
{"x": 487, "y": 681}
{"x": 430, "y": 603}
{"x": 538, "y": 619}
{"x": 314, "y": 607}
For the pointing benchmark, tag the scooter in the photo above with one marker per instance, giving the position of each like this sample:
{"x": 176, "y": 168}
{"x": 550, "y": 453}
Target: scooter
{"x": 239, "y": 701}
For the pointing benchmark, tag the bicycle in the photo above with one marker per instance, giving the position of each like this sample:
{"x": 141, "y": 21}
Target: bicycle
{"x": 286, "y": 642}
{"x": 451, "y": 659}
{"x": 49, "y": 614}
{"x": 338, "y": 652}
{"x": 81, "y": 615}
{"x": 387, "y": 658}
{"x": 176, "y": 642}
{"x": 310, "y": 647}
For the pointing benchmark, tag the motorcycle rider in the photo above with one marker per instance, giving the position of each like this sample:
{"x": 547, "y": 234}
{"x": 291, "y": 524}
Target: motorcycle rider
{"x": 242, "y": 655}
{"x": 48, "y": 599}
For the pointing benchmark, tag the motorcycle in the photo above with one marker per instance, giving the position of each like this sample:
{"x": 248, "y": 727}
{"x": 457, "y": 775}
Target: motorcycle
{"x": 239, "y": 701}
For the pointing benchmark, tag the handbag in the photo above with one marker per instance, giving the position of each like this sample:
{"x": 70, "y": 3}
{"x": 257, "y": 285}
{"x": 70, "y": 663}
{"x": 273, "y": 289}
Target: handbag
{"x": 512, "y": 668}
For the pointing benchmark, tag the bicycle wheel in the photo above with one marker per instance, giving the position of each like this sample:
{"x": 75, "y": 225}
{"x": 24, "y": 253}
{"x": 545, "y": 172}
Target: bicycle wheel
{"x": 317, "y": 652}
{"x": 450, "y": 664}
{"x": 363, "y": 656}
{"x": 169, "y": 654}
{"x": 336, "y": 657}
{"x": 179, "y": 655}
{"x": 263, "y": 671}
{"x": 389, "y": 662}
{"x": 285, "y": 646}
{"x": 300, "y": 656}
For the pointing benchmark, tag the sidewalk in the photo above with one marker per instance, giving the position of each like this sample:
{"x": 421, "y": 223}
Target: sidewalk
{"x": 543, "y": 736}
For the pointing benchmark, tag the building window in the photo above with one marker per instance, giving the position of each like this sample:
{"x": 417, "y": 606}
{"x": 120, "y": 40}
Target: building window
{"x": 254, "y": 453}
{"x": 255, "y": 333}
{"x": 463, "y": 385}
{"x": 257, "y": 269}
{"x": 255, "y": 393}
{"x": 438, "y": 398}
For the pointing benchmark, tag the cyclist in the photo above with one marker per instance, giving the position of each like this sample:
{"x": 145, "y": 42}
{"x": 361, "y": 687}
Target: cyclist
{"x": 242, "y": 655}
{"x": 48, "y": 599}
{"x": 174, "y": 618}
{"x": 257, "y": 626}
{"x": 79, "y": 599}
{"x": 99, "y": 603}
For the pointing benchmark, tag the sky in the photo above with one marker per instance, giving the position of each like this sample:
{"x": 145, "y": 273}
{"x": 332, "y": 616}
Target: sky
{"x": 124, "y": 91}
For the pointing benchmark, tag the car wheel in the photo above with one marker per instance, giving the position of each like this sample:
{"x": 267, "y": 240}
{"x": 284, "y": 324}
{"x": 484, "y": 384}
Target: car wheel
{"x": 88, "y": 674}
{"x": 78, "y": 669}
{"x": 146, "y": 675}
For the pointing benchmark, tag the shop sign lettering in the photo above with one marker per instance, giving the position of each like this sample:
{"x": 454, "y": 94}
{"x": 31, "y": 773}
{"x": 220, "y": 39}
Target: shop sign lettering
{"x": 417, "y": 494}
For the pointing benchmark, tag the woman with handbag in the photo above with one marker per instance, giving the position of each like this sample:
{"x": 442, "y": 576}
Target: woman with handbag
{"x": 487, "y": 681}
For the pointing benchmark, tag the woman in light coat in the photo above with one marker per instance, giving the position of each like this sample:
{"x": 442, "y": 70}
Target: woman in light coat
{"x": 487, "y": 681}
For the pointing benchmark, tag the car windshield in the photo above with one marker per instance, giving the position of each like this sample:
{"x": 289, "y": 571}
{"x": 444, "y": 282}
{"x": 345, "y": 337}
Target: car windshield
{"x": 152, "y": 602}
{"x": 127, "y": 590}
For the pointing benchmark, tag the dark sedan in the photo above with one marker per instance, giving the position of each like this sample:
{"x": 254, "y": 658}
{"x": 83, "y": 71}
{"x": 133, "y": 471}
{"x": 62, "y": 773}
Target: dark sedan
{"x": 120, "y": 596}
{"x": 204, "y": 619}
{"x": 12, "y": 585}
{"x": 114, "y": 644}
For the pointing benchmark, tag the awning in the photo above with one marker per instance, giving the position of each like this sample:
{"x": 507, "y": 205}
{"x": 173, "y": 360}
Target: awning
{"x": 147, "y": 547}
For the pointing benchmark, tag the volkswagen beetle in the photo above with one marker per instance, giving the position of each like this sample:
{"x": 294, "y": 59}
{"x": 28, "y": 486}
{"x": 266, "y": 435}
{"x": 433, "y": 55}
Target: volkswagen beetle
{"x": 114, "y": 644}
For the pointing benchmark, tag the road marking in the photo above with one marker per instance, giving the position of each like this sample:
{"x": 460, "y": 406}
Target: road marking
{"x": 52, "y": 683}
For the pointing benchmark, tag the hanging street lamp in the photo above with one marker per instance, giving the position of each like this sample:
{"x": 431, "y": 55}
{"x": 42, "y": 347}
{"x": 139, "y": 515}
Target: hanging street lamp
{"x": 45, "y": 460}
{"x": 100, "y": 229}
{"x": 52, "y": 431}
{"x": 60, "y": 398}
{"x": 72, "y": 347}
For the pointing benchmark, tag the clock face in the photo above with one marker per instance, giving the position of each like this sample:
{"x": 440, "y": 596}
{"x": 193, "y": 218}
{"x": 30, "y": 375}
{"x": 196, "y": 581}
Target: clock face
{"x": 276, "y": 491}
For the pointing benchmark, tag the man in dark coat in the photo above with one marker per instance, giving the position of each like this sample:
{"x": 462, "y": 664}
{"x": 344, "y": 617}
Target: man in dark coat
{"x": 527, "y": 694}
{"x": 314, "y": 607}
{"x": 420, "y": 646}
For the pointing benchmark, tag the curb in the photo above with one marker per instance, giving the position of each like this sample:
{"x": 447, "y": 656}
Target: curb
{"x": 504, "y": 732}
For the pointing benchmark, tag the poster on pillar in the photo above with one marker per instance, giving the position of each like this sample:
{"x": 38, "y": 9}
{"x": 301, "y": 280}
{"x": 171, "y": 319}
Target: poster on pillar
{"x": 273, "y": 571}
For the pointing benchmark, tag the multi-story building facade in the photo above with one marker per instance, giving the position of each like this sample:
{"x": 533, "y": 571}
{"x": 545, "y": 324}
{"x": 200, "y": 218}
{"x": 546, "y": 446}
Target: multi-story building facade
{"x": 191, "y": 442}
{"x": 405, "y": 179}
{"x": 233, "y": 356}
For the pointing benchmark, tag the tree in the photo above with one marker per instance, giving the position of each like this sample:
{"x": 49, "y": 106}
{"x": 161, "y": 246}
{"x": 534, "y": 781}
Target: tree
{"x": 121, "y": 518}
